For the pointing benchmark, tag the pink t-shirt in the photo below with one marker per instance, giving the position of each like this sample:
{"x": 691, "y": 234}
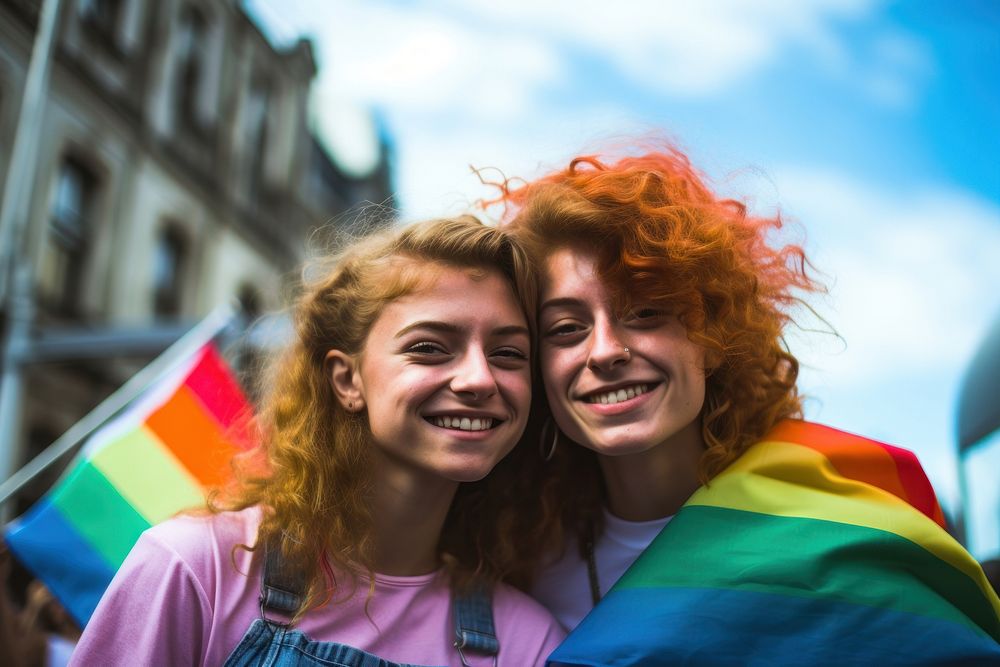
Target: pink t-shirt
{"x": 178, "y": 600}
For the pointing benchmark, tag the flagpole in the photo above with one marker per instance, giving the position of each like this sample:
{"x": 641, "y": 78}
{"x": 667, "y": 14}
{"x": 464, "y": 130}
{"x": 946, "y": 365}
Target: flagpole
{"x": 16, "y": 270}
{"x": 199, "y": 335}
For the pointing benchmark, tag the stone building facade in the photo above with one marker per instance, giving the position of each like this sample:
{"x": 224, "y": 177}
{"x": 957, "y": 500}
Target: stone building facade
{"x": 176, "y": 170}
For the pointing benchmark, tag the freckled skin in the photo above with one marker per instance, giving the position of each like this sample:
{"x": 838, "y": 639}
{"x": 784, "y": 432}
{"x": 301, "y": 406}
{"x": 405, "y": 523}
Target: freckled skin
{"x": 582, "y": 352}
{"x": 470, "y": 369}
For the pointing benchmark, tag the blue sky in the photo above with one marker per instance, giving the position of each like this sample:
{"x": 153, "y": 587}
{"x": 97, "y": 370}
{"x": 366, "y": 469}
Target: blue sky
{"x": 873, "y": 126}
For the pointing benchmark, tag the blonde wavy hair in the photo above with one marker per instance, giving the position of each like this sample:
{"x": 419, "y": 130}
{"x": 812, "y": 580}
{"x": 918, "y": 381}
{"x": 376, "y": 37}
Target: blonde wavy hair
{"x": 311, "y": 471}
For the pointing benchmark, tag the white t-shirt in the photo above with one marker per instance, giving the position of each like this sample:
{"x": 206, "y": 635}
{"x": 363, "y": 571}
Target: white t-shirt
{"x": 563, "y": 586}
{"x": 179, "y": 600}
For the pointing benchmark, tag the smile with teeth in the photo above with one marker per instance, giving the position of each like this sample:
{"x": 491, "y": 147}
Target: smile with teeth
{"x": 611, "y": 397}
{"x": 464, "y": 423}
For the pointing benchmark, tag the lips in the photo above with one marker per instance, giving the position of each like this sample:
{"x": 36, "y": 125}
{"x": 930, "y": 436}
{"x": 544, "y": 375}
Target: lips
{"x": 617, "y": 395}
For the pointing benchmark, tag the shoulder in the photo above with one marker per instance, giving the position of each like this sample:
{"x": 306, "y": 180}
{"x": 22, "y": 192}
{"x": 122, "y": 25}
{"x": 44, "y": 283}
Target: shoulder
{"x": 202, "y": 552}
{"x": 193, "y": 536}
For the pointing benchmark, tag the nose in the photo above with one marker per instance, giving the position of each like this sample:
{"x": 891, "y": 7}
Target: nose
{"x": 474, "y": 376}
{"x": 607, "y": 349}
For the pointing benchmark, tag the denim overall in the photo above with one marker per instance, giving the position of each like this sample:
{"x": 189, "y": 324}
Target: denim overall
{"x": 270, "y": 643}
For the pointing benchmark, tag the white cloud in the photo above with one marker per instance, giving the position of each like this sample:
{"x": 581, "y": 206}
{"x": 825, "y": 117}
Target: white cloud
{"x": 683, "y": 48}
{"x": 428, "y": 63}
{"x": 496, "y": 63}
{"x": 423, "y": 69}
{"x": 434, "y": 164}
{"x": 914, "y": 274}
{"x": 346, "y": 129}
{"x": 493, "y": 58}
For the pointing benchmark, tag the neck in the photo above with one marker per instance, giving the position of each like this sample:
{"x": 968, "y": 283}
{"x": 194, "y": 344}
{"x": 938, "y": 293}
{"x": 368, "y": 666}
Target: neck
{"x": 408, "y": 512}
{"x": 653, "y": 484}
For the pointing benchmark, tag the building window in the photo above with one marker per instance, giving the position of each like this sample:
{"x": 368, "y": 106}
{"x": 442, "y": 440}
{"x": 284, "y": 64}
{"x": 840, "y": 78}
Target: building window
{"x": 192, "y": 33}
{"x": 168, "y": 266}
{"x": 70, "y": 229}
{"x": 251, "y": 355}
{"x": 103, "y": 17}
{"x": 258, "y": 101}
{"x": 250, "y": 303}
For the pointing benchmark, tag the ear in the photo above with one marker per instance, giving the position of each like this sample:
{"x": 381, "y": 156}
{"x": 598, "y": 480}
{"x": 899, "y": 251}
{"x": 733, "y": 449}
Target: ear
{"x": 345, "y": 379}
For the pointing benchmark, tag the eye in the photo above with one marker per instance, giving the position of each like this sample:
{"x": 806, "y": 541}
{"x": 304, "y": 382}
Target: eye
{"x": 645, "y": 315}
{"x": 426, "y": 348}
{"x": 510, "y": 354}
{"x": 564, "y": 329}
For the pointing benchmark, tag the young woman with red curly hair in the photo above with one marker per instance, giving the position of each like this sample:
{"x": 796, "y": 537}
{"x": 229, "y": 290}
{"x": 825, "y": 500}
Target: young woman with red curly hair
{"x": 675, "y": 437}
{"x": 376, "y": 533}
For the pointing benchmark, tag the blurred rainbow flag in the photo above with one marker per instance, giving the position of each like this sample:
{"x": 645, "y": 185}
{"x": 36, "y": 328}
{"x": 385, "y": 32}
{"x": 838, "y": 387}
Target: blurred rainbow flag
{"x": 145, "y": 465}
{"x": 816, "y": 547}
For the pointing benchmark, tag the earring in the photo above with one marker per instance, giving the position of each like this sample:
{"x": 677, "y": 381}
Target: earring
{"x": 350, "y": 405}
{"x": 548, "y": 453}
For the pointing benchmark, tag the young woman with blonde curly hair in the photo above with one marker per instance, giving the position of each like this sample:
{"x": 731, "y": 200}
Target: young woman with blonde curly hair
{"x": 373, "y": 532}
{"x": 677, "y": 456}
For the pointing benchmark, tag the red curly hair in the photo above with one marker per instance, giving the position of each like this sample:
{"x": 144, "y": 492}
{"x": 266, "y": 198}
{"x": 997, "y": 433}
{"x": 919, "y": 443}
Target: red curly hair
{"x": 662, "y": 236}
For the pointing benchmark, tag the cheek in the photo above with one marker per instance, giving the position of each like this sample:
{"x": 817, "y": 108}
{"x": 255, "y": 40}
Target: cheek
{"x": 555, "y": 376}
{"x": 517, "y": 387}
{"x": 409, "y": 385}
{"x": 555, "y": 364}
{"x": 698, "y": 393}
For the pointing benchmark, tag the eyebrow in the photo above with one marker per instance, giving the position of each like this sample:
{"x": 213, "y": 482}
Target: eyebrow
{"x": 511, "y": 330}
{"x": 448, "y": 328}
{"x": 561, "y": 302}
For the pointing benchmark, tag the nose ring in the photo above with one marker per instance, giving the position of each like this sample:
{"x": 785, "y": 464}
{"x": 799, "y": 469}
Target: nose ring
{"x": 627, "y": 351}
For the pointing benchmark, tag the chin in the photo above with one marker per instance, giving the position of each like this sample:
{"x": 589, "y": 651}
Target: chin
{"x": 620, "y": 444}
{"x": 469, "y": 472}
{"x": 625, "y": 448}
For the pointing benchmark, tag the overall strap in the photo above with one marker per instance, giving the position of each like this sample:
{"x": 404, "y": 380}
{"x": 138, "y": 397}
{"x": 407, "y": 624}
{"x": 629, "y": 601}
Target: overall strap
{"x": 281, "y": 590}
{"x": 474, "y": 630}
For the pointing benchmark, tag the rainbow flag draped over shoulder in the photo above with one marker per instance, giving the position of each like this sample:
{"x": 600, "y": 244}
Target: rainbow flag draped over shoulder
{"x": 155, "y": 459}
{"x": 816, "y": 547}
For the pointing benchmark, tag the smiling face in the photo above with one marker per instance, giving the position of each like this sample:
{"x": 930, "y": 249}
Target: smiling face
{"x": 444, "y": 375}
{"x": 615, "y": 384}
